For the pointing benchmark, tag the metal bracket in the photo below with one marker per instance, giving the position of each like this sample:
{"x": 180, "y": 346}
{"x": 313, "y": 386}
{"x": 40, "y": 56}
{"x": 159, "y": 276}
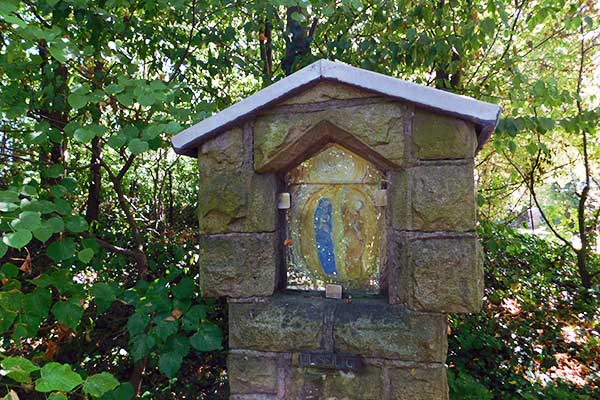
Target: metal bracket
{"x": 284, "y": 201}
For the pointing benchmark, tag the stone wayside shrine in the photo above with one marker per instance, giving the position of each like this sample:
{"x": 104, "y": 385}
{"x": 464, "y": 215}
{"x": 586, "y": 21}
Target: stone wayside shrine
{"x": 337, "y": 211}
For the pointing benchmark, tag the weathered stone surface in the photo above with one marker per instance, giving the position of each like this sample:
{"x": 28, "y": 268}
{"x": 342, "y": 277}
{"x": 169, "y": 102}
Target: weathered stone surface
{"x": 325, "y": 91}
{"x": 434, "y": 198}
{"x": 305, "y": 384}
{"x": 446, "y": 274}
{"x": 287, "y": 324}
{"x": 232, "y": 198}
{"x": 381, "y": 126}
{"x": 418, "y": 383}
{"x": 436, "y": 136}
{"x": 436, "y": 274}
{"x": 238, "y": 264}
{"x": 250, "y": 373}
{"x": 377, "y": 329}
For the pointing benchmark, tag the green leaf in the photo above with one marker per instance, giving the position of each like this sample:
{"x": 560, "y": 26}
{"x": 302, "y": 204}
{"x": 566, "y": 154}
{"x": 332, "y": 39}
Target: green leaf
{"x": 17, "y": 239}
{"x": 116, "y": 141}
{"x": 208, "y": 337}
{"x": 58, "y": 191}
{"x": 141, "y": 345}
{"x": 57, "y": 377}
{"x": 58, "y": 51}
{"x": 146, "y": 100}
{"x": 54, "y": 171}
{"x": 164, "y": 329}
{"x": 77, "y": 101}
{"x": 3, "y": 249}
{"x": 76, "y": 223}
{"x": 137, "y": 324}
{"x": 169, "y": 363}
{"x": 123, "y": 392}
{"x": 104, "y": 296}
{"x": 85, "y": 255}
{"x": 18, "y": 368}
{"x": 184, "y": 289}
{"x": 97, "y": 385}
{"x": 68, "y": 313}
{"x": 84, "y": 134}
{"x": 28, "y": 221}
{"x": 114, "y": 88}
{"x": 56, "y": 223}
{"x": 192, "y": 318}
{"x": 9, "y": 196}
{"x": 57, "y": 396}
{"x": 137, "y": 146}
{"x": 61, "y": 250}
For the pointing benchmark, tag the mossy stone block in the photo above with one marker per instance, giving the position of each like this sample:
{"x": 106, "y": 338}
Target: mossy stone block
{"x": 419, "y": 383}
{"x": 437, "y": 137}
{"x": 286, "y": 324}
{"x": 237, "y": 264}
{"x": 446, "y": 275}
{"x": 377, "y": 329}
{"x": 232, "y": 197}
{"x": 250, "y": 373}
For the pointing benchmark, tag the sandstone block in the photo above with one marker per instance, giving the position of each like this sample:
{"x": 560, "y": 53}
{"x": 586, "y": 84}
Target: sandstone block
{"x": 377, "y": 329}
{"x": 232, "y": 197}
{"x": 438, "y": 274}
{"x": 305, "y": 384}
{"x": 422, "y": 383}
{"x": 238, "y": 264}
{"x": 249, "y": 373}
{"x": 286, "y": 324}
{"x": 436, "y": 136}
{"x": 325, "y": 91}
{"x": 381, "y": 126}
{"x": 434, "y": 198}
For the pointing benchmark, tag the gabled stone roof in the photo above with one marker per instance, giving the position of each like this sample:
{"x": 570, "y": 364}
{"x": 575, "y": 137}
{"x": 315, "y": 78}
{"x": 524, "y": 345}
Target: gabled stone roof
{"x": 483, "y": 115}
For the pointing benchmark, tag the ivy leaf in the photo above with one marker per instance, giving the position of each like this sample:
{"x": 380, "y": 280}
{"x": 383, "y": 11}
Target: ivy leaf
{"x": 208, "y": 337}
{"x": 97, "y": 385}
{"x": 17, "y": 239}
{"x": 57, "y": 377}
{"x": 169, "y": 363}
{"x": 19, "y": 368}
{"x": 68, "y": 313}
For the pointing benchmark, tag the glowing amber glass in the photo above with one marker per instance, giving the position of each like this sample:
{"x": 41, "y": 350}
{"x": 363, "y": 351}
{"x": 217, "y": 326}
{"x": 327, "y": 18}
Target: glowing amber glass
{"x": 334, "y": 227}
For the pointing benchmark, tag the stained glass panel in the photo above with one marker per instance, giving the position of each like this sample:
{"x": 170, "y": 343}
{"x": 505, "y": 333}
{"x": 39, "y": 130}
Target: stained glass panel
{"x": 334, "y": 226}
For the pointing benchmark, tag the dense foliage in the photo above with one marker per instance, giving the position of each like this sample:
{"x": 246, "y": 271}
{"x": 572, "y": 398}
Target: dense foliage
{"x": 98, "y": 285}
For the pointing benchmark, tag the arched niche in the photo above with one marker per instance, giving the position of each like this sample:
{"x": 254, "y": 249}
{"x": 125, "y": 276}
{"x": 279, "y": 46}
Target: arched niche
{"x": 336, "y": 222}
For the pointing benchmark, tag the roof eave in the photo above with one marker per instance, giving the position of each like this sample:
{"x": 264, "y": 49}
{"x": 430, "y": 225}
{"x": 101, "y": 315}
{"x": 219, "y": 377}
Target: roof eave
{"x": 483, "y": 115}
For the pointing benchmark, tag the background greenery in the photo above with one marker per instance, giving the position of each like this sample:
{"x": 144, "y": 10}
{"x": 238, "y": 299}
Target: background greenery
{"x": 98, "y": 290}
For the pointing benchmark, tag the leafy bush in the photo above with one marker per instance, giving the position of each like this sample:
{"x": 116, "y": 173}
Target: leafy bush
{"x": 538, "y": 335}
